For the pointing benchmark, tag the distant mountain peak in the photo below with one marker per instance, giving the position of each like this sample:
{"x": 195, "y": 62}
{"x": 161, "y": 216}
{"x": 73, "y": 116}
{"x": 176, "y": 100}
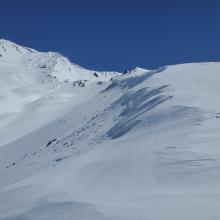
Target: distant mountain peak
{"x": 12, "y": 50}
{"x": 135, "y": 70}
{"x": 7, "y": 43}
{"x": 51, "y": 64}
{"x": 4, "y": 41}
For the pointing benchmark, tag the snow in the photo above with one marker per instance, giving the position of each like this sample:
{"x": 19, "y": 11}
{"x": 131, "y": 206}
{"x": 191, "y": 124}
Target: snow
{"x": 140, "y": 145}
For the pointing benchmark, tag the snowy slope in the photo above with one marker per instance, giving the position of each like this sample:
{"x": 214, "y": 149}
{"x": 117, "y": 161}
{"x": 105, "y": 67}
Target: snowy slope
{"x": 37, "y": 87}
{"x": 143, "y": 145}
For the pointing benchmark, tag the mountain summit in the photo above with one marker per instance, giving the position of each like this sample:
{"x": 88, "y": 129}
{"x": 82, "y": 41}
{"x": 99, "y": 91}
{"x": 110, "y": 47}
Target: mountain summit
{"x": 51, "y": 63}
{"x": 12, "y": 51}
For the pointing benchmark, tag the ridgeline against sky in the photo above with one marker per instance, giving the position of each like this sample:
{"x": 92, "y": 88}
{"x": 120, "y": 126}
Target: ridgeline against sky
{"x": 117, "y": 35}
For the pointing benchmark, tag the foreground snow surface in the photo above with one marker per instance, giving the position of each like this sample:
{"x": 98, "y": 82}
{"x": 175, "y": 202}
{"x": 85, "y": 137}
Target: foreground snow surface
{"x": 140, "y": 145}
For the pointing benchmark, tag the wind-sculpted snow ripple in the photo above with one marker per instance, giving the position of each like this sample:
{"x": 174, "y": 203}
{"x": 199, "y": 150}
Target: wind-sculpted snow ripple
{"x": 138, "y": 109}
{"x": 136, "y": 104}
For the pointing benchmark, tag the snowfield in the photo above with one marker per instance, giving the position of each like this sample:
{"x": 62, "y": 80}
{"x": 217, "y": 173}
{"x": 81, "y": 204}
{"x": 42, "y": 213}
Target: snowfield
{"x": 88, "y": 145}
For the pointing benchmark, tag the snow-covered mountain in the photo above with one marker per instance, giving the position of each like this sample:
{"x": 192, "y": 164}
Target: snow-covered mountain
{"x": 81, "y": 144}
{"x": 39, "y": 86}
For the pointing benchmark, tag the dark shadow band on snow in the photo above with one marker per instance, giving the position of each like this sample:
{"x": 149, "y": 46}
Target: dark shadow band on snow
{"x": 137, "y": 108}
{"x": 135, "y": 105}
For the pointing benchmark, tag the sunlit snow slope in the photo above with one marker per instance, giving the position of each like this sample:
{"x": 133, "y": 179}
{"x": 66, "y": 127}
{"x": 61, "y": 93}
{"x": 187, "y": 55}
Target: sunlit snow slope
{"x": 37, "y": 87}
{"x": 86, "y": 145}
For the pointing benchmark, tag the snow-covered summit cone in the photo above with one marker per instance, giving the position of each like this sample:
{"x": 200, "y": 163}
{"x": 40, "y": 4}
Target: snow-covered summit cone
{"x": 12, "y": 51}
{"x": 136, "y": 70}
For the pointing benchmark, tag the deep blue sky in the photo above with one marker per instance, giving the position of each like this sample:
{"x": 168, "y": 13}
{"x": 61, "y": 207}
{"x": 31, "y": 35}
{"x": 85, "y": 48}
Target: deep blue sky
{"x": 116, "y": 34}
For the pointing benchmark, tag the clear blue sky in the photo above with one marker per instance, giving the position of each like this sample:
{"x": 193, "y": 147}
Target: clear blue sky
{"x": 116, "y": 34}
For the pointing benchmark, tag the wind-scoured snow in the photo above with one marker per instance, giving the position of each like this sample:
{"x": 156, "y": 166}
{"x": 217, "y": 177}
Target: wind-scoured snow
{"x": 80, "y": 144}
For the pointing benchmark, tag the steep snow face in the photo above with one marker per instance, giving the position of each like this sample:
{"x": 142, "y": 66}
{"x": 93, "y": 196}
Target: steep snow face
{"x": 144, "y": 145}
